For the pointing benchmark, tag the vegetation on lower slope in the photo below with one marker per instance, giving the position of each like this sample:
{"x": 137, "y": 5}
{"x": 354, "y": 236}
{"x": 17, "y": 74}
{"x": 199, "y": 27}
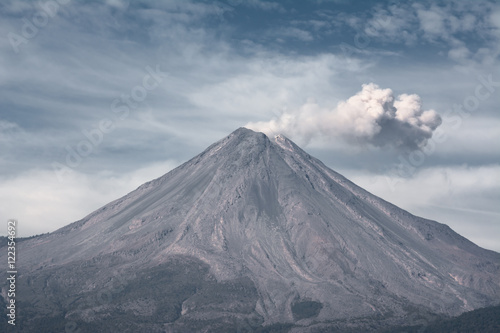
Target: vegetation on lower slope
{"x": 485, "y": 320}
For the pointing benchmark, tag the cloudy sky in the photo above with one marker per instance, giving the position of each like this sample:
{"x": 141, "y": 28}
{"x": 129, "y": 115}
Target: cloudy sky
{"x": 98, "y": 97}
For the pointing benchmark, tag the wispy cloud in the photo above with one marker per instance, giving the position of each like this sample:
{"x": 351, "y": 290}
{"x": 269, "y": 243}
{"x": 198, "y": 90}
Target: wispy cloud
{"x": 452, "y": 25}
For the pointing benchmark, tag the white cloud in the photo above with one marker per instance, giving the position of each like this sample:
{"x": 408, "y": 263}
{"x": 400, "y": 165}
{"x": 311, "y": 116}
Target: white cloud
{"x": 373, "y": 116}
{"x": 393, "y": 24}
{"x": 460, "y": 53}
{"x": 432, "y": 22}
{"x": 494, "y": 19}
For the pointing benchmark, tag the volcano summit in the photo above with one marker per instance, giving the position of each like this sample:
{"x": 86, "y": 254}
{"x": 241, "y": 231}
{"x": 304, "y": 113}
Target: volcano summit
{"x": 251, "y": 233}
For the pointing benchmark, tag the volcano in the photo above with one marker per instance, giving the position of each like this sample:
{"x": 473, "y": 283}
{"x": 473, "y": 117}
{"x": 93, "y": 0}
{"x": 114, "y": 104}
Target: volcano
{"x": 251, "y": 233}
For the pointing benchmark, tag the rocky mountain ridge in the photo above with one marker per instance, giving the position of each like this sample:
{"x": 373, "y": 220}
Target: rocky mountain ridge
{"x": 250, "y": 233}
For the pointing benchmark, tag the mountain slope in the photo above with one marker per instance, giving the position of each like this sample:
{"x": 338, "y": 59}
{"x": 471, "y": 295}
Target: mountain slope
{"x": 252, "y": 232}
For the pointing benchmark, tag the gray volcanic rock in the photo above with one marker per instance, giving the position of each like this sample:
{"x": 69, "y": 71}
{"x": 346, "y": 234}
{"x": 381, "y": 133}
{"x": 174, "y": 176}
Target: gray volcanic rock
{"x": 251, "y": 232}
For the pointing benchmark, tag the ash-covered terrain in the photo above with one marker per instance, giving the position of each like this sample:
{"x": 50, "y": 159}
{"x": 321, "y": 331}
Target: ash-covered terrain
{"x": 252, "y": 234}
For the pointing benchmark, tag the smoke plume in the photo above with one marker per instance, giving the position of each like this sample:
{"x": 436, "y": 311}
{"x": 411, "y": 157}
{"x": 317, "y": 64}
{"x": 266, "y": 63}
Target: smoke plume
{"x": 373, "y": 116}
